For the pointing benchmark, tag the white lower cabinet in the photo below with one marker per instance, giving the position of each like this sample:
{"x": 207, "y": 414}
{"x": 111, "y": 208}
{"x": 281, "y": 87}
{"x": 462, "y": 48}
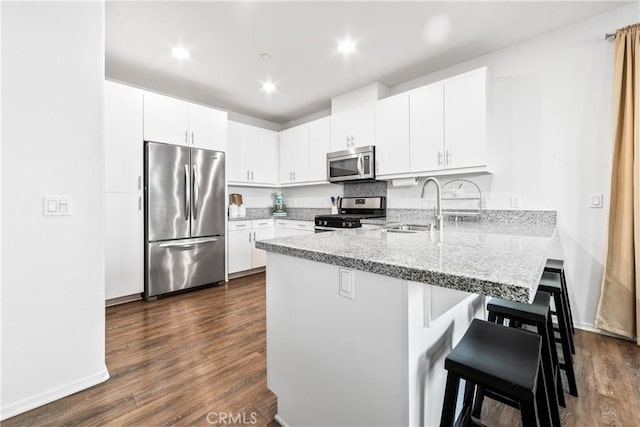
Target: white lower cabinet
{"x": 124, "y": 245}
{"x": 288, "y": 227}
{"x": 243, "y": 254}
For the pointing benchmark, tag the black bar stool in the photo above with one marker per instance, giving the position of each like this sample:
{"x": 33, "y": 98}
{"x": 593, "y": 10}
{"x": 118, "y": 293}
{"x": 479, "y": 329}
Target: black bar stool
{"x": 504, "y": 360}
{"x": 557, "y": 266}
{"x": 552, "y": 283}
{"x": 536, "y": 314}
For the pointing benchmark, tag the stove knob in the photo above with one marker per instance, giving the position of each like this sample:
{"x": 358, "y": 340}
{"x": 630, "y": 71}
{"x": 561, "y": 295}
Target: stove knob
{"x": 344, "y": 224}
{"x": 326, "y": 223}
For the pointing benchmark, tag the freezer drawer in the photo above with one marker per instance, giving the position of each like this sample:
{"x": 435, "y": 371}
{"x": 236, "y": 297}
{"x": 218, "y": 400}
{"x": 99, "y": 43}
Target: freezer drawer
{"x": 182, "y": 264}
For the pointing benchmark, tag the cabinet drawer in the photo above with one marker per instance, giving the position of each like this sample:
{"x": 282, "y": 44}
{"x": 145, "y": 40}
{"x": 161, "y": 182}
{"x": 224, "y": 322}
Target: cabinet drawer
{"x": 295, "y": 224}
{"x": 261, "y": 223}
{"x": 239, "y": 225}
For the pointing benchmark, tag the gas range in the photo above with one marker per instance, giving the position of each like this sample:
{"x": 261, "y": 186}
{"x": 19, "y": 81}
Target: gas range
{"x": 352, "y": 211}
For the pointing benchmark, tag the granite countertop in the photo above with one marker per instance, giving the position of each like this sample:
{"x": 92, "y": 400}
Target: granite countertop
{"x": 296, "y": 214}
{"x": 497, "y": 259}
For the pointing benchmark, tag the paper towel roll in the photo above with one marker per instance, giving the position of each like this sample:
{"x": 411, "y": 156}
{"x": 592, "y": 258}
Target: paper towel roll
{"x": 404, "y": 182}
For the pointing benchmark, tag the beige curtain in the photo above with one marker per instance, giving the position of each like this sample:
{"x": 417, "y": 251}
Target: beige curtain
{"x": 619, "y": 307}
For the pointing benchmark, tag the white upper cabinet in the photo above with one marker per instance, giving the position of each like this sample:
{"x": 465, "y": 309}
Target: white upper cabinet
{"x": 465, "y": 120}
{"x": 448, "y": 123}
{"x": 165, "y": 119}
{"x": 426, "y": 106}
{"x": 392, "y": 135}
{"x": 252, "y": 155}
{"x": 123, "y": 138}
{"x": 294, "y": 155}
{"x": 178, "y": 122}
{"x": 353, "y": 128}
{"x": 319, "y": 146}
{"x": 207, "y": 128}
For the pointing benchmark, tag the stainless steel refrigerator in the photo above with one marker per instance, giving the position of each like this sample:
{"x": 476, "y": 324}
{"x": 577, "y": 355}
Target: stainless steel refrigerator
{"x": 185, "y": 216}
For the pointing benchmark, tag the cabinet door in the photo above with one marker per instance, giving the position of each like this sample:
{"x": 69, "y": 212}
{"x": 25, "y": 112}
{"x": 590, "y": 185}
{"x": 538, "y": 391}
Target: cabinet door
{"x": 123, "y": 138}
{"x": 263, "y": 156}
{"x": 392, "y": 135}
{"x": 239, "y": 250}
{"x": 319, "y": 146}
{"x": 353, "y": 128}
{"x": 165, "y": 119}
{"x": 207, "y": 128}
{"x": 258, "y": 256}
{"x": 237, "y": 167}
{"x": 294, "y": 154}
{"x": 465, "y": 119}
{"x": 426, "y": 128}
{"x": 124, "y": 246}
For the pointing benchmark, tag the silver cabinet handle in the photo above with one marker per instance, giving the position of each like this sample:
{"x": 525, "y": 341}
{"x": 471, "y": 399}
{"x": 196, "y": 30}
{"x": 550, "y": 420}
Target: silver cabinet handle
{"x": 254, "y": 236}
{"x": 448, "y": 158}
{"x": 187, "y": 195}
{"x": 439, "y": 158}
{"x": 290, "y": 176}
{"x": 241, "y": 225}
{"x": 294, "y": 175}
{"x": 185, "y": 136}
{"x": 139, "y": 203}
{"x": 251, "y": 175}
{"x": 196, "y": 197}
{"x": 301, "y": 225}
{"x": 249, "y": 237}
{"x": 247, "y": 175}
{"x": 360, "y": 165}
{"x": 192, "y": 139}
{"x": 139, "y": 182}
{"x": 263, "y": 223}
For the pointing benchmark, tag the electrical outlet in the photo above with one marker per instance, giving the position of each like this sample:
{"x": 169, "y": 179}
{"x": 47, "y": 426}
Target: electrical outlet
{"x": 56, "y": 205}
{"x": 516, "y": 202}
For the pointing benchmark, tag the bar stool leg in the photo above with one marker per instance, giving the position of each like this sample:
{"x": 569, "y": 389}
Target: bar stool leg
{"x": 450, "y": 398}
{"x": 542, "y": 404}
{"x": 563, "y": 281}
{"x": 477, "y": 402}
{"x": 548, "y": 367}
{"x": 556, "y": 364}
{"x": 565, "y": 334}
{"x": 529, "y": 414}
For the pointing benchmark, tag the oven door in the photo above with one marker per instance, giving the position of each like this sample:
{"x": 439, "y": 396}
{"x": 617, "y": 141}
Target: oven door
{"x": 320, "y": 229}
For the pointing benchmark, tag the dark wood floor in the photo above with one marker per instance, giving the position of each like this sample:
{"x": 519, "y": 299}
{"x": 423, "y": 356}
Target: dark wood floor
{"x": 179, "y": 359}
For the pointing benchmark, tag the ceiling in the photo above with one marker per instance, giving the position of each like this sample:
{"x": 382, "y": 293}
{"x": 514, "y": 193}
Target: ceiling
{"x": 396, "y": 42}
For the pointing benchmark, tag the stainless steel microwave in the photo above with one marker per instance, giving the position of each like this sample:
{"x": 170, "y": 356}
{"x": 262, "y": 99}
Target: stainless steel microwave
{"x": 355, "y": 164}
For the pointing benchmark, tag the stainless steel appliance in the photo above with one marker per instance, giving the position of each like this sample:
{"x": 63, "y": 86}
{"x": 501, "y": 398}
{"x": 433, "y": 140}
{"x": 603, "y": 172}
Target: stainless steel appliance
{"x": 185, "y": 217}
{"x": 352, "y": 210}
{"x": 356, "y": 164}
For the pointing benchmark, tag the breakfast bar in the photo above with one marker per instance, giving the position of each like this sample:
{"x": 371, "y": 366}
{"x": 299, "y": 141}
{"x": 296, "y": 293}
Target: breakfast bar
{"x": 359, "y": 321}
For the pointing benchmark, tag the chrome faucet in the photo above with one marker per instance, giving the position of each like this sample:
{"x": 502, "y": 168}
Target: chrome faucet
{"x": 439, "y": 218}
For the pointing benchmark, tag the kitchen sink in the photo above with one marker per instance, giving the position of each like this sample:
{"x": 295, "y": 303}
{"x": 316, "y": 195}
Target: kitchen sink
{"x": 408, "y": 228}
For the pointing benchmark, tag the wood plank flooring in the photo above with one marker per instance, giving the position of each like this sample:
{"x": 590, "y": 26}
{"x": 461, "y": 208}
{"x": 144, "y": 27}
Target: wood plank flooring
{"x": 178, "y": 359}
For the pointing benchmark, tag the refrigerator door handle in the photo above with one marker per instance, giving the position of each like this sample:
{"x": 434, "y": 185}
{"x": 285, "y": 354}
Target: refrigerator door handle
{"x": 187, "y": 193}
{"x": 196, "y": 197}
{"x": 188, "y": 245}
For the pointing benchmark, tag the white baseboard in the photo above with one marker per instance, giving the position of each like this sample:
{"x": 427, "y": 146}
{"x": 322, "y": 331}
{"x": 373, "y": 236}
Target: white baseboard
{"x": 280, "y": 421}
{"x": 590, "y": 328}
{"x": 56, "y": 393}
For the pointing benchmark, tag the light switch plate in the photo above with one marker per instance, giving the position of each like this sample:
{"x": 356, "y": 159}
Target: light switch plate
{"x": 56, "y": 205}
{"x": 596, "y": 200}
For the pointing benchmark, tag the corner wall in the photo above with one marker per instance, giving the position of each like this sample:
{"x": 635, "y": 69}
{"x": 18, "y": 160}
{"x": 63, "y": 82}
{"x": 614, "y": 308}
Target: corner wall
{"x": 53, "y": 317}
{"x": 551, "y": 143}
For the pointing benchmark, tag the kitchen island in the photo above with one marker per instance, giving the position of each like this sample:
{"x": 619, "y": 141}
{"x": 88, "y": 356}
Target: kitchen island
{"x": 359, "y": 321}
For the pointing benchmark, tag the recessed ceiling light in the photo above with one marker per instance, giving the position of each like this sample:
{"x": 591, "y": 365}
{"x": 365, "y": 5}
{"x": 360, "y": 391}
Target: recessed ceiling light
{"x": 437, "y": 29}
{"x": 347, "y": 46}
{"x": 180, "y": 52}
{"x": 269, "y": 87}
{"x": 265, "y": 56}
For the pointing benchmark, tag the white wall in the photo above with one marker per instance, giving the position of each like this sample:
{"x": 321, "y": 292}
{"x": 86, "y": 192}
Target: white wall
{"x": 550, "y": 130}
{"x": 53, "y": 318}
